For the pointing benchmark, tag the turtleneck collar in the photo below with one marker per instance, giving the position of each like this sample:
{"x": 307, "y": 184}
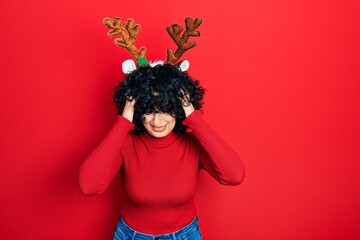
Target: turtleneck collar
{"x": 160, "y": 142}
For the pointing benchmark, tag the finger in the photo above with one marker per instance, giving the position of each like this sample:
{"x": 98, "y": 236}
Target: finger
{"x": 130, "y": 99}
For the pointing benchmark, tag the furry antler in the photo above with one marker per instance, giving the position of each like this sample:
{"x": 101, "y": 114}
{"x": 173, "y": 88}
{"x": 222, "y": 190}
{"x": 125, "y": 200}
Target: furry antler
{"x": 182, "y": 42}
{"x": 128, "y": 31}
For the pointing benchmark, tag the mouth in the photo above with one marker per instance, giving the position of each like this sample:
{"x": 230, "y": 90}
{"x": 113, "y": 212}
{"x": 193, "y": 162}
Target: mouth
{"x": 158, "y": 128}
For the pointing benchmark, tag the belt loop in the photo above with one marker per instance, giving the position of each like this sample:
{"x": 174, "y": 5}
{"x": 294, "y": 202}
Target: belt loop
{"x": 133, "y": 236}
{"x": 174, "y": 236}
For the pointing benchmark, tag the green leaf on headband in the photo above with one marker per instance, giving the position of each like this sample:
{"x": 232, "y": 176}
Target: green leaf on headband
{"x": 142, "y": 61}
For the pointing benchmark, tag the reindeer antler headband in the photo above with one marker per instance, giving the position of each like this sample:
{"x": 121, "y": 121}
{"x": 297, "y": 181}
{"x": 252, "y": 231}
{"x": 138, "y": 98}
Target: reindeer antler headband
{"x": 129, "y": 31}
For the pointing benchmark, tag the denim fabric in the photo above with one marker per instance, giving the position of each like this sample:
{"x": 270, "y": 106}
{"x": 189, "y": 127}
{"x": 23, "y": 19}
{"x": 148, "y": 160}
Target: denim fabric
{"x": 189, "y": 232}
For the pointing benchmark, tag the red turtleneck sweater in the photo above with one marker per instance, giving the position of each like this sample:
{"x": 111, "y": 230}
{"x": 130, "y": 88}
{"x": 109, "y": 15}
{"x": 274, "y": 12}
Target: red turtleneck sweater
{"x": 160, "y": 175}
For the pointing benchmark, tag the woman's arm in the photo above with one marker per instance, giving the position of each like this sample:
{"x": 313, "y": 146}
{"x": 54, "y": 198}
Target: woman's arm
{"x": 217, "y": 157}
{"x": 97, "y": 171}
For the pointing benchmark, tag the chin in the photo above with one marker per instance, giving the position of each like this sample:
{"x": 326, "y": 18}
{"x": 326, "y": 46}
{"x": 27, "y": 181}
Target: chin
{"x": 159, "y": 134}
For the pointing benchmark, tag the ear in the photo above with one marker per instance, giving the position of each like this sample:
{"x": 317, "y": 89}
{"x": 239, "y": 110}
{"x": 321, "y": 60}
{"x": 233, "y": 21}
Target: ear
{"x": 128, "y": 66}
{"x": 184, "y": 66}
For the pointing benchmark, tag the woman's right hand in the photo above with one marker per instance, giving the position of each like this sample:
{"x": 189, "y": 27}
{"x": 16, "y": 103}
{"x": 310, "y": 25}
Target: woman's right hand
{"x": 128, "y": 111}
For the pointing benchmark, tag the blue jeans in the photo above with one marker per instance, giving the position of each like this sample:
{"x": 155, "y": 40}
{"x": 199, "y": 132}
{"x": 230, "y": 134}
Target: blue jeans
{"x": 189, "y": 232}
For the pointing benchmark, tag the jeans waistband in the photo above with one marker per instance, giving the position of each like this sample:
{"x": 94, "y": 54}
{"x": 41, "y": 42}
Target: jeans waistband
{"x": 183, "y": 233}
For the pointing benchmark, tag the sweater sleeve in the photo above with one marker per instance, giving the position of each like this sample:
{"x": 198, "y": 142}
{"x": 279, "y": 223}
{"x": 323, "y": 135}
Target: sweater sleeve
{"x": 99, "y": 168}
{"x": 216, "y": 157}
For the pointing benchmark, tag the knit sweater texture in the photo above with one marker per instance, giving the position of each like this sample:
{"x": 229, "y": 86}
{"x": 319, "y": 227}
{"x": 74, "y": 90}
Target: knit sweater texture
{"x": 159, "y": 175}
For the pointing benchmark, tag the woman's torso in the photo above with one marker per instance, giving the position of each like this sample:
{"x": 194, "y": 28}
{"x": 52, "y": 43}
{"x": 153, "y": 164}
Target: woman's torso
{"x": 160, "y": 178}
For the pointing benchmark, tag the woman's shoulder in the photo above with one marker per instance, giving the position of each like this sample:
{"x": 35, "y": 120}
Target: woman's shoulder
{"x": 191, "y": 138}
{"x": 129, "y": 140}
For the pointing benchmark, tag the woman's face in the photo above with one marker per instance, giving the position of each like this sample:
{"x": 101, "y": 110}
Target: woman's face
{"x": 159, "y": 124}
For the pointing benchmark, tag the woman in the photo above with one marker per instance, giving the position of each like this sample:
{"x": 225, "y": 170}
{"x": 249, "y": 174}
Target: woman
{"x": 158, "y": 156}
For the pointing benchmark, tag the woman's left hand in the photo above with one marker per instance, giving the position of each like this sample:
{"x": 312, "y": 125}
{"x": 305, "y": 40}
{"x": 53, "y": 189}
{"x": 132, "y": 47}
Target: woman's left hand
{"x": 186, "y": 104}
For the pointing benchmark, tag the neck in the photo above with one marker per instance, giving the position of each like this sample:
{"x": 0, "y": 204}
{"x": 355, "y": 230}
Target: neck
{"x": 160, "y": 141}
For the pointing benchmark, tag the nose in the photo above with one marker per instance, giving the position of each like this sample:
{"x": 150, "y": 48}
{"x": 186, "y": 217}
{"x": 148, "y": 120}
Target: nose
{"x": 157, "y": 119}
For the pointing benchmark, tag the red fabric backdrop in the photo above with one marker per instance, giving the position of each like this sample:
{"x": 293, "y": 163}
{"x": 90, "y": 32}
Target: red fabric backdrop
{"x": 283, "y": 90}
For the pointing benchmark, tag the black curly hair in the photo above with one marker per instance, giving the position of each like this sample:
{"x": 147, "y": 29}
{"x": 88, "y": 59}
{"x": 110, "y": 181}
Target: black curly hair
{"x": 158, "y": 89}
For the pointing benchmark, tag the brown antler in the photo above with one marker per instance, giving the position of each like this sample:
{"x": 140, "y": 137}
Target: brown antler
{"x": 182, "y": 42}
{"x": 128, "y": 31}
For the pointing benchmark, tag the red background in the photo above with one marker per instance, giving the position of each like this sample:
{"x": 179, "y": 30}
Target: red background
{"x": 283, "y": 90}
